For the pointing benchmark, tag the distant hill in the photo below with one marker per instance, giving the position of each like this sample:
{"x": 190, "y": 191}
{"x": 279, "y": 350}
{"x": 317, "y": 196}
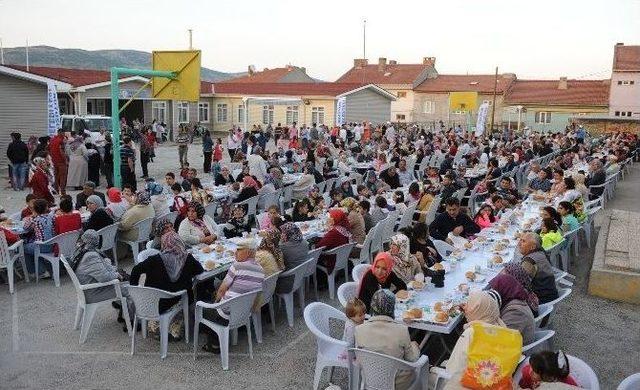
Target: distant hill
{"x": 94, "y": 59}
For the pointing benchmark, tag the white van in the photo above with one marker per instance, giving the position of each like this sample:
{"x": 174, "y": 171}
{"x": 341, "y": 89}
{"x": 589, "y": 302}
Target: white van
{"x": 89, "y": 124}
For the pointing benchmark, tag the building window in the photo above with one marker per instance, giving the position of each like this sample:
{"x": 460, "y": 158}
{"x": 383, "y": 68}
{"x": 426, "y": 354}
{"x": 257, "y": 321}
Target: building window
{"x": 267, "y": 114}
{"x": 203, "y": 112}
{"x": 400, "y": 117}
{"x": 623, "y": 113}
{"x": 222, "y": 113}
{"x": 159, "y": 111}
{"x": 489, "y": 102}
{"x": 626, "y": 82}
{"x": 241, "y": 113}
{"x": 317, "y": 115}
{"x": 429, "y": 107}
{"x": 292, "y": 114}
{"x": 402, "y": 94}
{"x": 543, "y": 117}
{"x": 101, "y": 108}
{"x": 617, "y": 113}
{"x": 63, "y": 106}
{"x": 183, "y": 112}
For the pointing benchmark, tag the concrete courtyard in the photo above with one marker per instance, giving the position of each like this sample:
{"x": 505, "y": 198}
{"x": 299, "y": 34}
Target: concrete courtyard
{"x": 39, "y": 350}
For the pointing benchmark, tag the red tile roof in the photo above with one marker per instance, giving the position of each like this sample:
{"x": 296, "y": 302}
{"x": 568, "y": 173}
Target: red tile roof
{"x": 578, "y": 92}
{"x": 75, "y": 77}
{"x": 206, "y": 87}
{"x": 287, "y": 89}
{"x": 626, "y": 58}
{"x": 266, "y": 76}
{"x": 481, "y": 83}
{"x": 392, "y": 74}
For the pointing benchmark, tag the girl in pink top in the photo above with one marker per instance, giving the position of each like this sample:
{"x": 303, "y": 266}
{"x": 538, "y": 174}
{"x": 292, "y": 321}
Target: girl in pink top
{"x": 484, "y": 217}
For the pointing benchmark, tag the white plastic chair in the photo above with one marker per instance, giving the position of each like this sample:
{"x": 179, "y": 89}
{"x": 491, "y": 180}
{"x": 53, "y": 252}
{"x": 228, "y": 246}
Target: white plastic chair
{"x": 554, "y": 253}
{"x": 342, "y": 264}
{"x": 298, "y": 273}
{"x": 376, "y": 240}
{"x": 630, "y": 383}
{"x": 66, "y": 246}
{"x": 145, "y": 254}
{"x": 108, "y": 240}
{"x": 541, "y": 336}
{"x": 543, "y": 311}
{"x": 310, "y": 272}
{"x": 146, "y": 301}
{"x": 379, "y": 371}
{"x": 407, "y": 217}
{"x": 260, "y": 218}
{"x": 144, "y": 230}
{"x": 8, "y": 256}
{"x": 330, "y": 184}
{"x": 86, "y": 311}
{"x": 563, "y": 293}
{"x": 430, "y": 214}
{"x": 270, "y": 199}
{"x": 317, "y": 316}
{"x": 268, "y": 288}
{"x": 443, "y": 248}
{"x": 357, "y": 273}
{"x": 287, "y": 196}
{"x": 580, "y": 371}
{"x": 347, "y": 291}
{"x": 357, "y": 177}
{"x": 570, "y": 239}
{"x": 322, "y": 186}
{"x": 238, "y": 312}
{"x": 252, "y": 204}
{"x": 210, "y": 209}
{"x": 388, "y": 226}
{"x": 172, "y": 215}
{"x": 587, "y": 226}
{"x": 365, "y": 248}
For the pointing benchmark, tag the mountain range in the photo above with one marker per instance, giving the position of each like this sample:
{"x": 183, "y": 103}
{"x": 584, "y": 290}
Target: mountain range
{"x": 94, "y": 59}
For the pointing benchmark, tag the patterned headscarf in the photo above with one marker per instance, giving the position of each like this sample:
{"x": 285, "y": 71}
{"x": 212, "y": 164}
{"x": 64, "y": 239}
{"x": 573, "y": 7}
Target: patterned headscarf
{"x": 481, "y": 306}
{"x": 383, "y": 303}
{"x": 403, "y": 264}
{"x": 199, "y": 209}
{"x": 349, "y": 204}
{"x": 383, "y": 257}
{"x": 291, "y": 232}
{"x": 174, "y": 254}
{"x": 340, "y": 222}
{"x": 143, "y": 197}
{"x": 160, "y": 226}
{"x": 269, "y": 243}
{"x": 510, "y": 288}
{"x": 89, "y": 241}
{"x": 154, "y": 188}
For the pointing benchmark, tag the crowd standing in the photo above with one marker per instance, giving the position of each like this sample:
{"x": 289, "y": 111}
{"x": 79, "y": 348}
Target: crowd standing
{"x": 377, "y": 170}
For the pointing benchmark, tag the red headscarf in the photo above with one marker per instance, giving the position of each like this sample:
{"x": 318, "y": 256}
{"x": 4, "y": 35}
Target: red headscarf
{"x": 387, "y": 259}
{"x": 249, "y": 182}
{"x": 339, "y": 218}
{"x": 114, "y": 195}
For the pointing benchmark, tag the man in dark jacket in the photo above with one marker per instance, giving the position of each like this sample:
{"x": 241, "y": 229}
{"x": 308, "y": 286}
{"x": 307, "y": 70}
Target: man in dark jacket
{"x": 597, "y": 176}
{"x": 535, "y": 261}
{"x": 452, "y": 221}
{"x": 18, "y": 155}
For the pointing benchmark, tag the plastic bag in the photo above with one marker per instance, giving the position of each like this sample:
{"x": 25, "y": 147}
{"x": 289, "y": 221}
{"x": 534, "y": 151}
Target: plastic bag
{"x": 493, "y": 356}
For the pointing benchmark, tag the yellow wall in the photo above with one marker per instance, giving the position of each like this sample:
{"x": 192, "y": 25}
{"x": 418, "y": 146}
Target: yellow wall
{"x": 279, "y": 114}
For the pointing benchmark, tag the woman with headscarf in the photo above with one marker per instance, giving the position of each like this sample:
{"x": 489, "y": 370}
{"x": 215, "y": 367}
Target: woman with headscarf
{"x": 224, "y": 177}
{"x": 116, "y": 205}
{"x": 337, "y": 235}
{"x": 99, "y": 218}
{"x": 382, "y": 334}
{"x": 481, "y": 307}
{"x": 374, "y": 184}
{"x": 406, "y": 265}
{"x": 249, "y": 189}
{"x": 515, "y": 311}
{"x": 268, "y": 254}
{"x": 294, "y": 252}
{"x": 346, "y": 187}
{"x": 40, "y": 181}
{"x": 198, "y": 194}
{"x": 173, "y": 269}
{"x": 305, "y": 182}
{"x": 92, "y": 266}
{"x": 356, "y": 220}
{"x": 78, "y": 167}
{"x": 522, "y": 276}
{"x": 379, "y": 276}
{"x": 141, "y": 210}
{"x": 198, "y": 227}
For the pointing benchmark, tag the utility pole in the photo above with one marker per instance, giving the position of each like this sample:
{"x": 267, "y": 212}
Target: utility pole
{"x": 1, "y": 53}
{"x": 27, "y": 53}
{"x": 190, "y": 39}
{"x": 493, "y": 106}
{"x": 364, "y": 47}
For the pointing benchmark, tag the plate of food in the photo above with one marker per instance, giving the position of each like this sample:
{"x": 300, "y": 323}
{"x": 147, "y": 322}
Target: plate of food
{"x": 440, "y": 267}
{"x": 413, "y": 314}
{"x": 457, "y": 254}
{"x": 497, "y": 260}
{"x": 416, "y": 285}
{"x": 402, "y": 296}
{"x": 210, "y": 265}
{"x": 206, "y": 249}
{"x": 440, "y": 317}
{"x": 474, "y": 277}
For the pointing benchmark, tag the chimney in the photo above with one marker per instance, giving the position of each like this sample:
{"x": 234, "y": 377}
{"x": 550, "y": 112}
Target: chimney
{"x": 250, "y": 70}
{"x": 360, "y": 63}
{"x": 289, "y": 67}
{"x": 620, "y": 44}
{"x": 563, "y": 83}
{"x": 393, "y": 62}
{"x": 303, "y": 69}
{"x": 382, "y": 63}
{"x": 431, "y": 61}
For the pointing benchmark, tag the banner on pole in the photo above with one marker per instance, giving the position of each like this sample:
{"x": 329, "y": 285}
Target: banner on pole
{"x": 482, "y": 118}
{"x": 463, "y": 101}
{"x": 53, "y": 111}
{"x": 186, "y": 84}
{"x": 341, "y": 111}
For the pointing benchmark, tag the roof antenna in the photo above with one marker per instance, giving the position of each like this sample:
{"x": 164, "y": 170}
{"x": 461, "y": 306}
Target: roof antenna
{"x": 364, "y": 46}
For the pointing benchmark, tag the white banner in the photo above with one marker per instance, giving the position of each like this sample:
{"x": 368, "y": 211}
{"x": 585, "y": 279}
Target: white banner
{"x": 482, "y": 117}
{"x": 53, "y": 111}
{"x": 341, "y": 111}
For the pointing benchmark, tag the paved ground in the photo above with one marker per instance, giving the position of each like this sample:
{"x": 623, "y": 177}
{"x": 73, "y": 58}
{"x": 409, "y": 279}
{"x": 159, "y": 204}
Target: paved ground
{"x": 39, "y": 350}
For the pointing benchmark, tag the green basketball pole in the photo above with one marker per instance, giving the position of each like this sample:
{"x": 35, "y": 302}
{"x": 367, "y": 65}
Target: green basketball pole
{"x": 115, "y": 111}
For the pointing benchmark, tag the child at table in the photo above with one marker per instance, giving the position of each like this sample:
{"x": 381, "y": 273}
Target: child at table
{"x": 237, "y": 224}
{"x": 547, "y": 367}
{"x": 484, "y": 217}
{"x": 355, "y": 311}
{"x": 550, "y": 233}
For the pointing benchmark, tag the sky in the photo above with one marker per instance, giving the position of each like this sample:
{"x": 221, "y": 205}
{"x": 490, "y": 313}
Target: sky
{"x": 534, "y": 39}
